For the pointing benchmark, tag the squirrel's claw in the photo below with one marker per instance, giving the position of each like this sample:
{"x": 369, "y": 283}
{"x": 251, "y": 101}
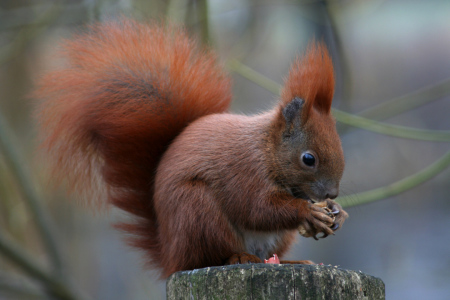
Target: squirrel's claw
{"x": 339, "y": 214}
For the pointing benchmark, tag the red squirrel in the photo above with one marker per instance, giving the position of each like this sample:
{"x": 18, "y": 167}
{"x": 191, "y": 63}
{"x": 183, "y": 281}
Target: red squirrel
{"x": 139, "y": 116}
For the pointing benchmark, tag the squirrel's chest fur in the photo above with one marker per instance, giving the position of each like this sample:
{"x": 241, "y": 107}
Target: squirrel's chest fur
{"x": 262, "y": 244}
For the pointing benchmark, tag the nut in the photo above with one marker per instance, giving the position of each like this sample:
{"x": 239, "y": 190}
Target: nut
{"x": 322, "y": 204}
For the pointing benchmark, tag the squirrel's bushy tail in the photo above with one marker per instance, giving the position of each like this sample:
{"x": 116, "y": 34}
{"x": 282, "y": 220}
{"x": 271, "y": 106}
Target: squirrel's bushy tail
{"x": 126, "y": 91}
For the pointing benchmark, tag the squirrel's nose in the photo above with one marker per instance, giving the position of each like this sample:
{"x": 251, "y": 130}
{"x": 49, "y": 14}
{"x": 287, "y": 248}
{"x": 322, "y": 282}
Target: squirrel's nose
{"x": 332, "y": 193}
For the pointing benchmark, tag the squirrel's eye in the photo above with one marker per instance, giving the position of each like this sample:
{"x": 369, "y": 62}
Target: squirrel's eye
{"x": 308, "y": 159}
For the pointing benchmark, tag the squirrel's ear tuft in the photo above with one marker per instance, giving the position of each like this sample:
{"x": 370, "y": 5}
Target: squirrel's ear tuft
{"x": 311, "y": 78}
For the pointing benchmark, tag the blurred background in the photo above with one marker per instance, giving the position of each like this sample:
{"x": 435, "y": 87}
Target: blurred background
{"x": 392, "y": 64}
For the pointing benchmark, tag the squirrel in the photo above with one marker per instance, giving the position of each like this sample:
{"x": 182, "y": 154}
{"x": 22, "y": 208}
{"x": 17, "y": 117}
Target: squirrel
{"x": 138, "y": 118}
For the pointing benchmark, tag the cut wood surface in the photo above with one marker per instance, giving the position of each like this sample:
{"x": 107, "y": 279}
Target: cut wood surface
{"x": 268, "y": 281}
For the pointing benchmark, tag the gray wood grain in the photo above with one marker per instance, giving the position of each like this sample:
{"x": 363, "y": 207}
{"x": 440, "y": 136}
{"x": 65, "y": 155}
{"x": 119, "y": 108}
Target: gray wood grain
{"x": 267, "y": 281}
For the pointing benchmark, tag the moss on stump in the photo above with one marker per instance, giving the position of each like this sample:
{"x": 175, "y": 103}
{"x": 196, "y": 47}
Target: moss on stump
{"x": 267, "y": 281}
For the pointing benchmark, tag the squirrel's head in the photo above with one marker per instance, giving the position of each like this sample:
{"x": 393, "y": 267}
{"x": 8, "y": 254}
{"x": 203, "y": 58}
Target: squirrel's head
{"x": 307, "y": 155}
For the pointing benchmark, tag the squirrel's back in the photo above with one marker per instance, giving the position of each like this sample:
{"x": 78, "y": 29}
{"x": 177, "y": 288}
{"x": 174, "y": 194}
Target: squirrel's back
{"x": 125, "y": 92}
{"x": 204, "y": 151}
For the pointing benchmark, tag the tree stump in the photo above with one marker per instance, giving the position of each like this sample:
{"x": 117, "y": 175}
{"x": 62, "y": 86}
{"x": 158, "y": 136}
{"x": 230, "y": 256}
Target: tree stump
{"x": 270, "y": 281}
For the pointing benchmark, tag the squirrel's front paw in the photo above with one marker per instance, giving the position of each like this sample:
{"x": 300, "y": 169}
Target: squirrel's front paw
{"x": 337, "y": 211}
{"x": 319, "y": 220}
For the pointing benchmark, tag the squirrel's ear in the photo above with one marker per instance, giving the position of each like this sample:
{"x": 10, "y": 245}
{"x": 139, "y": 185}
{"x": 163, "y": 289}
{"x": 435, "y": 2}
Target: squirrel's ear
{"x": 295, "y": 114}
{"x": 311, "y": 78}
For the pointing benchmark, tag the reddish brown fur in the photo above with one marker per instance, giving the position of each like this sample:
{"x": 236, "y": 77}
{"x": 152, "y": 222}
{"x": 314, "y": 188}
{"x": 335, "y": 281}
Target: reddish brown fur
{"x": 137, "y": 105}
{"x": 311, "y": 78}
{"x": 127, "y": 90}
